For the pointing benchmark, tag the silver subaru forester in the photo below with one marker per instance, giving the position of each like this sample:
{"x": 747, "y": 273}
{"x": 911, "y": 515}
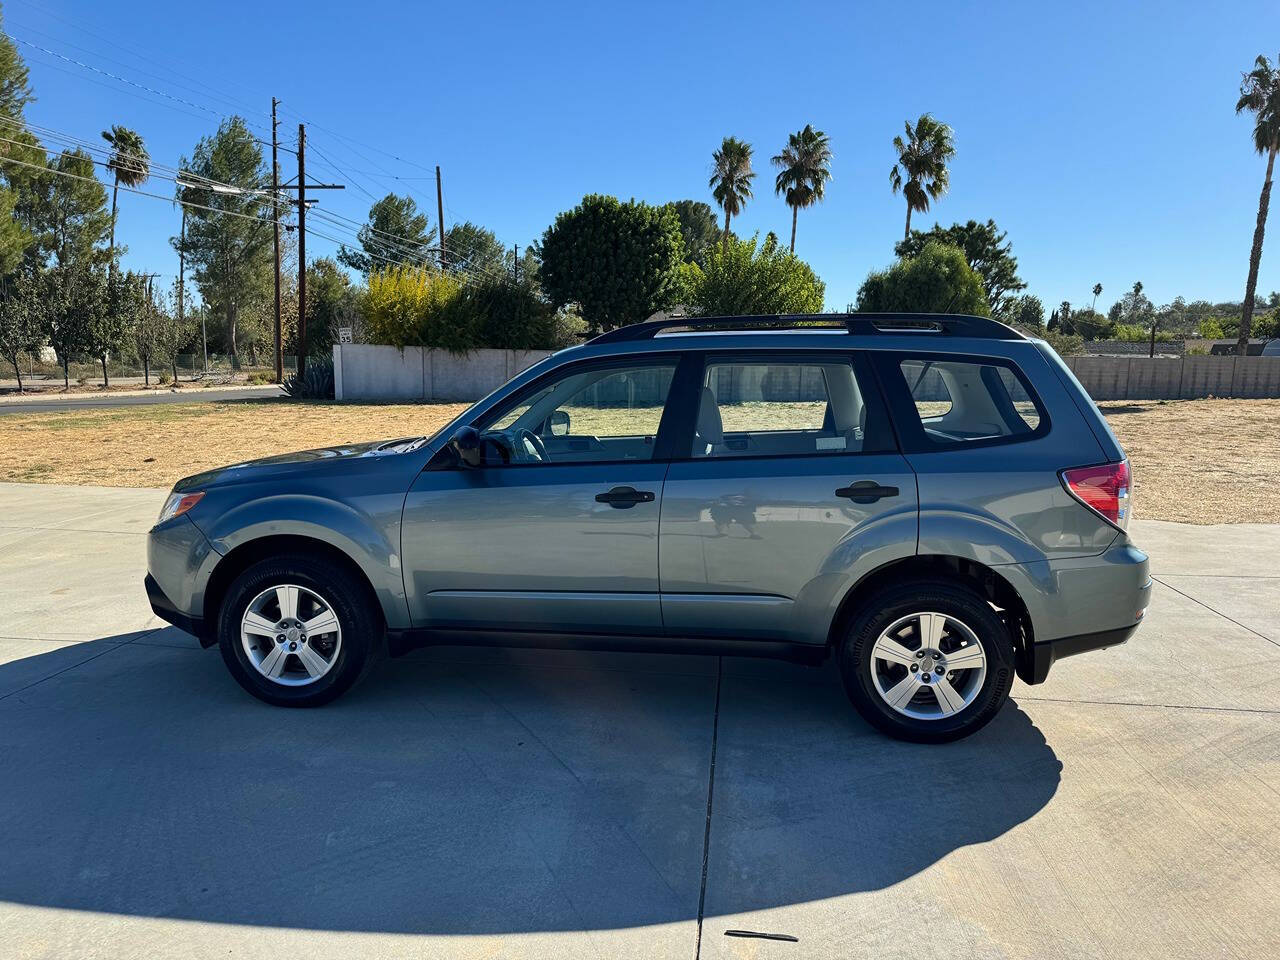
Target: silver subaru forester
{"x": 934, "y": 500}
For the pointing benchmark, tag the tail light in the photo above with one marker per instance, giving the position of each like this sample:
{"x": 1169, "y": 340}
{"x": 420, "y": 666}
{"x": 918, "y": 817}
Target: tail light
{"x": 1103, "y": 489}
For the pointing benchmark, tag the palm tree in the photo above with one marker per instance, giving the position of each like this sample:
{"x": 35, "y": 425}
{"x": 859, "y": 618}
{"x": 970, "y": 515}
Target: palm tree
{"x": 131, "y": 166}
{"x": 1260, "y": 95}
{"x": 804, "y": 169}
{"x": 730, "y": 181}
{"x": 921, "y": 171}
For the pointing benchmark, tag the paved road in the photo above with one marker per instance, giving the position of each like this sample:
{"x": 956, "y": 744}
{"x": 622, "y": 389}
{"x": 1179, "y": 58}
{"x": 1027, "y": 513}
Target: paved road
{"x": 83, "y": 401}
{"x": 482, "y": 803}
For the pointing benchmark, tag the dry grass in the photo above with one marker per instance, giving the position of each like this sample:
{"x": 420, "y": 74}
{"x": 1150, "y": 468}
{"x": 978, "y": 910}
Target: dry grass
{"x": 155, "y": 444}
{"x": 1202, "y": 461}
{"x": 1199, "y": 461}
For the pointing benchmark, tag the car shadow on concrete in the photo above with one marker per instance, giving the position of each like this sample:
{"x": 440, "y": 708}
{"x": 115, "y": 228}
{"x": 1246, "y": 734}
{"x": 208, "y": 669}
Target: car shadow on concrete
{"x": 469, "y": 797}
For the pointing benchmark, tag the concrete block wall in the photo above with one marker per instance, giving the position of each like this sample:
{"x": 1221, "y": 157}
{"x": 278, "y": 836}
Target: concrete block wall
{"x": 364, "y": 371}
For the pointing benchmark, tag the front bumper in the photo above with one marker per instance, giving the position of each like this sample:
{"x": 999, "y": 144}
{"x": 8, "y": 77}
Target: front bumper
{"x": 1034, "y": 667}
{"x": 165, "y": 609}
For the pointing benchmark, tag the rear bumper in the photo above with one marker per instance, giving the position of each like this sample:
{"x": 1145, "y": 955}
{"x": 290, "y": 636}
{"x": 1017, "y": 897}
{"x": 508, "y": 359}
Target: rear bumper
{"x": 165, "y": 609}
{"x": 1034, "y": 667}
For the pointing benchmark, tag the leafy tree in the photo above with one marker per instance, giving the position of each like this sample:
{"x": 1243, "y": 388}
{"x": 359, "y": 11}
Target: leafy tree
{"x": 15, "y": 86}
{"x": 1026, "y": 312}
{"x": 229, "y": 246}
{"x": 472, "y": 248}
{"x": 730, "y": 181}
{"x": 331, "y": 303}
{"x": 146, "y": 332}
{"x": 1210, "y": 328}
{"x": 1087, "y": 323}
{"x": 21, "y": 319}
{"x": 174, "y": 329}
{"x": 986, "y": 249}
{"x": 1097, "y": 292}
{"x": 1260, "y": 96}
{"x": 698, "y": 229}
{"x": 921, "y": 171}
{"x": 74, "y": 296}
{"x": 130, "y": 165}
{"x": 74, "y": 211}
{"x": 395, "y": 233}
{"x": 27, "y": 182}
{"x": 618, "y": 260}
{"x": 124, "y": 300}
{"x": 748, "y": 278}
{"x": 15, "y": 240}
{"x": 804, "y": 169}
{"x": 936, "y": 280}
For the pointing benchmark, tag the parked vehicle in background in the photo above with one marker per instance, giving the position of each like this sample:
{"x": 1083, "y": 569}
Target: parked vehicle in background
{"x": 934, "y": 500}
{"x": 1271, "y": 348}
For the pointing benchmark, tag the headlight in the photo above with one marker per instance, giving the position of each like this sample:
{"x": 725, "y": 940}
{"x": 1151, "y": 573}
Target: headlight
{"x": 178, "y": 504}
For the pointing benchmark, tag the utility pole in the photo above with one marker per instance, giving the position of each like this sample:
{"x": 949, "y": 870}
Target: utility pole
{"x": 515, "y": 260}
{"x": 275, "y": 232}
{"x": 302, "y": 187}
{"x": 302, "y": 251}
{"x": 440, "y": 215}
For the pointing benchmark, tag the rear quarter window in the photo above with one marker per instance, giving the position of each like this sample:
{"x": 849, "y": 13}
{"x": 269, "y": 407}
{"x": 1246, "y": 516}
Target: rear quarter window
{"x": 954, "y": 402}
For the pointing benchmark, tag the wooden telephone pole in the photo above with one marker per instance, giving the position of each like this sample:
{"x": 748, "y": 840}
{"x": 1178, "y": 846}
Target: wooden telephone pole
{"x": 440, "y": 215}
{"x": 302, "y": 187}
{"x": 275, "y": 233}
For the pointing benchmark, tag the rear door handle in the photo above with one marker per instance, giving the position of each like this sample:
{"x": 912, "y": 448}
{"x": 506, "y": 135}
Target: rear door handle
{"x": 866, "y": 491}
{"x": 624, "y": 497}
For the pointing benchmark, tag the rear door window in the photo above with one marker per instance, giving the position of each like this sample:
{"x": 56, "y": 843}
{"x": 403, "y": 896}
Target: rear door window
{"x": 967, "y": 401}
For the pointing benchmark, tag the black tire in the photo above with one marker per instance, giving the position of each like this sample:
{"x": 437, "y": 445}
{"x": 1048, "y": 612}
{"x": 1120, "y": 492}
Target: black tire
{"x": 361, "y": 624}
{"x": 919, "y": 596}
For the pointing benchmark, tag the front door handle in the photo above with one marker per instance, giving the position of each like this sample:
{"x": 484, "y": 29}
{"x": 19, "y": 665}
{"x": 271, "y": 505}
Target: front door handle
{"x": 866, "y": 491}
{"x": 624, "y": 497}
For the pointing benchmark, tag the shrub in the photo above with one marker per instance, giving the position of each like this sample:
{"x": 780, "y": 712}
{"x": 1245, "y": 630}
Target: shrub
{"x": 416, "y": 307}
{"x": 748, "y": 278}
{"x": 936, "y": 280}
{"x": 316, "y": 382}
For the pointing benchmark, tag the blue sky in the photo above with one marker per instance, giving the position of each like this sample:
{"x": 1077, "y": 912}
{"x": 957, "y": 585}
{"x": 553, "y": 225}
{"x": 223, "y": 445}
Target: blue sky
{"x": 1100, "y": 136}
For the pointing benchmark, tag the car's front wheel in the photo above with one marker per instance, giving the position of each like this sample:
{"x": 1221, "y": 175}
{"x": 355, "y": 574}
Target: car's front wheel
{"x": 297, "y": 631}
{"x": 928, "y": 661}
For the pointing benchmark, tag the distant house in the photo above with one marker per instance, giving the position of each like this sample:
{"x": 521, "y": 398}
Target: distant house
{"x": 1227, "y": 348}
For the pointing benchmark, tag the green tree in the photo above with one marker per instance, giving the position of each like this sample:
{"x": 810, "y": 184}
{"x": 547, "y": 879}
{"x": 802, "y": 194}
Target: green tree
{"x": 511, "y": 315}
{"x": 471, "y": 248}
{"x": 332, "y": 303}
{"x": 1210, "y": 328}
{"x": 619, "y": 261}
{"x": 1026, "y": 312}
{"x": 74, "y": 211}
{"x": 936, "y": 280}
{"x": 1097, "y": 292}
{"x": 15, "y": 240}
{"x": 987, "y": 250}
{"x": 1260, "y": 96}
{"x": 21, "y": 319}
{"x": 228, "y": 247}
{"x": 417, "y": 307}
{"x": 698, "y": 229}
{"x": 396, "y": 233}
{"x": 73, "y": 296}
{"x": 731, "y": 178}
{"x": 15, "y": 86}
{"x": 124, "y": 299}
{"x": 921, "y": 172}
{"x": 752, "y": 279}
{"x": 804, "y": 170}
{"x": 130, "y": 165}
{"x": 173, "y": 329}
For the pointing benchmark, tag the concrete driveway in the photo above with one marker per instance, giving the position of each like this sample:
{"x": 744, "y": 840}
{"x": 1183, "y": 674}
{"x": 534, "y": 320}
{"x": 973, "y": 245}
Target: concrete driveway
{"x": 480, "y": 803}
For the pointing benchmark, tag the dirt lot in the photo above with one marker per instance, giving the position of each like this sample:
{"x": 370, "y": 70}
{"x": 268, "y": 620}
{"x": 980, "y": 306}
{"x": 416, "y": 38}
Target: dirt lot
{"x": 1199, "y": 461}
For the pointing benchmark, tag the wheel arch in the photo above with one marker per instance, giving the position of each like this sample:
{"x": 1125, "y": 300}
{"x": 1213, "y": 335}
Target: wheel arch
{"x": 252, "y": 551}
{"x": 986, "y": 581}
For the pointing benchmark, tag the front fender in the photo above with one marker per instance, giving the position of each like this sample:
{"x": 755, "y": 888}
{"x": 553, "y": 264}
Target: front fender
{"x": 369, "y": 536}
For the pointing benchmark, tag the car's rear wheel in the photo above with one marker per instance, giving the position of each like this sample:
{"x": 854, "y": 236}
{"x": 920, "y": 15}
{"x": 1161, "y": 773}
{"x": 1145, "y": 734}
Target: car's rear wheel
{"x": 297, "y": 631}
{"x": 927, "y": 661}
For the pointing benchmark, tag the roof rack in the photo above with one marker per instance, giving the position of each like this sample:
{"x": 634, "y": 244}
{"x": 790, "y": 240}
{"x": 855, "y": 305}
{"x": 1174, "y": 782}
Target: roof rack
{"x": 960, "y": 325}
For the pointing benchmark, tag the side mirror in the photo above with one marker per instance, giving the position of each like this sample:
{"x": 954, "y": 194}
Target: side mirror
{"x": 467, "y": 445}
{"x": 558, "y": 422}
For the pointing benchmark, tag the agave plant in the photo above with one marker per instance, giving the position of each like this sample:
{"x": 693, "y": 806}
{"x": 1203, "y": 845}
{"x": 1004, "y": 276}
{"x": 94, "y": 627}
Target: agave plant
{"x": 316, "y": 382}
